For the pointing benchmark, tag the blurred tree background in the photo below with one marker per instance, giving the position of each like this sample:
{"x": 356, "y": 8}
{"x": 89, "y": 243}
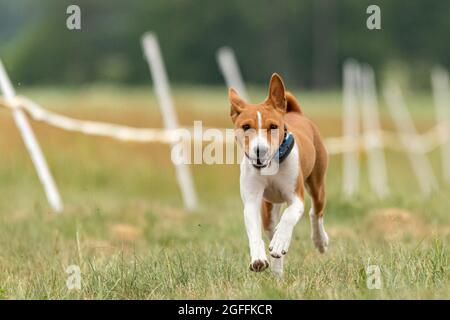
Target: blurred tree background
{"x": 304, "y": 40}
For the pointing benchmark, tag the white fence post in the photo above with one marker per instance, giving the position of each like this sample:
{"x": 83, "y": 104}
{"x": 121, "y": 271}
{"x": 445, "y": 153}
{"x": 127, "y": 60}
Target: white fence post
{"x": 441, "y": 97}
{"x": 372, "y": 134}
{"x": 230, "y": 70}
{"x": 351, "y": 74}
{"x": 410, "y": 138}
{"x": 31, "y": 144}
{"x": 153, "y": 55}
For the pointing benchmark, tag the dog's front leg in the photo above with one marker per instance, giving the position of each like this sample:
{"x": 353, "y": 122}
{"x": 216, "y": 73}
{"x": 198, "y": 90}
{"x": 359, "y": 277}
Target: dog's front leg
{"x": 252, "y": 216}
{"x": 283, "y": 232}
{"x": 252, "y": 198}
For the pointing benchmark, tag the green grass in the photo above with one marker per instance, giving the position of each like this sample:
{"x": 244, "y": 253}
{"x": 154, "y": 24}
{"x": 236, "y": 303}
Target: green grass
{"x": 125, "y": 227}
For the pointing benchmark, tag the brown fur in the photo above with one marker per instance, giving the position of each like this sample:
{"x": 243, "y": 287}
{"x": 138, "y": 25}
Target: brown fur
{"x": 292, "y": 104}
{"x": 266, "y": 210}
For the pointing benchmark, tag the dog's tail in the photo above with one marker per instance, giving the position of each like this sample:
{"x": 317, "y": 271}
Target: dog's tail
{"x": 292, "y": 105}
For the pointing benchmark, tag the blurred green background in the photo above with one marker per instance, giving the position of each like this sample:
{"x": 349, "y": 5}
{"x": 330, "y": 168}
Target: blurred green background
{"x": 306, "y": 41}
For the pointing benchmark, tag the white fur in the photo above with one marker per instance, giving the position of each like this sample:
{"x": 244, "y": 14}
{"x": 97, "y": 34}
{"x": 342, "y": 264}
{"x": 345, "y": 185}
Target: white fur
{"x": 251, "y": 194}
{"x": 318, "y": 234}
{"x": 276, "y": 188}
{"x": 275, "y": 264}
{"x": 259, "y": 121}
{"x": 283, "y": 232}
{"x": 259, "y": 141}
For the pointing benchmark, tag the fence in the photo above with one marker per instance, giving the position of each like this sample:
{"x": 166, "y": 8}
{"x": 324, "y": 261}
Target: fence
{"x": 359, "y": 101}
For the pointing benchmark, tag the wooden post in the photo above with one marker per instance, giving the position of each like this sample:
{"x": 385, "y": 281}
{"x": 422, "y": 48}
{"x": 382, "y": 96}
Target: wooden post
{"x": 410, "y": 138}
{"x": 230, "y": 71}
{"x": 350, "y": 127}
{"x": 372, "y": 134}
{"x": 153, "y": 54}
{"x": 31, "y": 144}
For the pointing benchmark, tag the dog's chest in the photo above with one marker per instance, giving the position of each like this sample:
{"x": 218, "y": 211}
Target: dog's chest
{"x": 274, "y": 194}
{"x": 281, "y": 186}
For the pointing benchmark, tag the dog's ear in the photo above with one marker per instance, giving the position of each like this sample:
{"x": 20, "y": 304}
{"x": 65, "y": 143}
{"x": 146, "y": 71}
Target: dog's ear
{"x": 237, "y": 103}
{"x": 276, "y": 93}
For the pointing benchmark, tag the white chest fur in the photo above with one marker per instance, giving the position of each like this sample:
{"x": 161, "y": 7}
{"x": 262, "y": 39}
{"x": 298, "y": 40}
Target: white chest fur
{"x": 279, "y": 185}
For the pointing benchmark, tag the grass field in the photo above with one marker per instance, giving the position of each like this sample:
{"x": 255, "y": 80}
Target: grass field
{"x": 125, "y": 226}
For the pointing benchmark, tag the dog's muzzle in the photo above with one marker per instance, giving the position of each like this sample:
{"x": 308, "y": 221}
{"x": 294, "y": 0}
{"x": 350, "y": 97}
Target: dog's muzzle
{"x": 280, "y": 155}
{"x": 257, "y": 163}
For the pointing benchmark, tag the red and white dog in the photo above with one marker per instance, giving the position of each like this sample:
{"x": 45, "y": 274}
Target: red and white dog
{"x": 284, "y": 154}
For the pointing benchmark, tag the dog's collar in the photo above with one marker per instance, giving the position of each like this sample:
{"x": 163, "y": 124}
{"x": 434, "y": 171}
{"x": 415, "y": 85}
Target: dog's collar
{"x": 283, "y": 151}
{"x": 286, "y": 146}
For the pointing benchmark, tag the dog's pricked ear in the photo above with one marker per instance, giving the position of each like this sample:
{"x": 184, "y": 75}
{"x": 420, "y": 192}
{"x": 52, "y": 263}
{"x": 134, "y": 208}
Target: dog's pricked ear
{"x": 237, "y": 103}
{"x": 276, "y": 93}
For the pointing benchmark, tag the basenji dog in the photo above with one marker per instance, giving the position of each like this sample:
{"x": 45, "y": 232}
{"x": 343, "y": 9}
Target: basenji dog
{"x": 284, "y": 155}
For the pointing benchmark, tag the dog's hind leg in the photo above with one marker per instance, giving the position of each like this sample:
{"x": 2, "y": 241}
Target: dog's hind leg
{"x": 316, "y": 188}
{"x": 271, "y": 217}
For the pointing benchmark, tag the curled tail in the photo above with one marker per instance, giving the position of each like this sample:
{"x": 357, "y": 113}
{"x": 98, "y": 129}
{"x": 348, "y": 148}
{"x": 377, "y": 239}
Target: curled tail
{"x": 292, "y": 104}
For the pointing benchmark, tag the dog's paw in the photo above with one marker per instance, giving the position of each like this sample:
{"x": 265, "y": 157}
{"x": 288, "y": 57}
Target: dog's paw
{"x": 278, "y": 274}
{"x": 259, "y": 265}
{"x": 280, "y": 243}
{"x": 277, "y": 267}
{"x": 321, "y": 241}
{"x": 276, "y": 271}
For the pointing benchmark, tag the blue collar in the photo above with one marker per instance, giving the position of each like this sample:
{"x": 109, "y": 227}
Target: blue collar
{"x": 286, "y": 146}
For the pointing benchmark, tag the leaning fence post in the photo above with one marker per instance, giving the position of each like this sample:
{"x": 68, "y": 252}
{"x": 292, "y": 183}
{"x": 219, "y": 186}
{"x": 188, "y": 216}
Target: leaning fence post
{"x": 230, "y": 70}
{"x": 31, "y": 143}
{"x": 161, "y": 83}
{"x": 409, "y": 137}
{"x": 350, "y": 167}
{"x": 372, "y": 134}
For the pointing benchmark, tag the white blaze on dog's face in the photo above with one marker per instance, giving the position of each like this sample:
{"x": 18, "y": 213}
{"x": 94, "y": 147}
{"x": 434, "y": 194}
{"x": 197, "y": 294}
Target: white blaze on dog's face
{"x": 259, "y": 128}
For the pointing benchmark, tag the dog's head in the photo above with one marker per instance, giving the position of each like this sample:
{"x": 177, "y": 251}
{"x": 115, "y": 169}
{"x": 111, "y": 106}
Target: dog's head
{"x": 260, "y": 128}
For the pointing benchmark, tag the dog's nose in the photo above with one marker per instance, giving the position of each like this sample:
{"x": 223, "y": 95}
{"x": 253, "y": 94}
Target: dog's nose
{"x": 261, "y": 151}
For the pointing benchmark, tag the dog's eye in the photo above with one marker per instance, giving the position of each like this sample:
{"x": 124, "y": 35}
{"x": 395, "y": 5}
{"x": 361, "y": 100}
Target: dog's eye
{"x": 246, "y": 127}
{"x": 273, "y": 127}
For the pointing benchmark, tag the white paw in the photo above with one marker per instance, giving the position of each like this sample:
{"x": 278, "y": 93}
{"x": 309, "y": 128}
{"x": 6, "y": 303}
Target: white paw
{"x": 280, "y": 242}
{"x": 258, "y": 256}
{"x": 320, "y": 241}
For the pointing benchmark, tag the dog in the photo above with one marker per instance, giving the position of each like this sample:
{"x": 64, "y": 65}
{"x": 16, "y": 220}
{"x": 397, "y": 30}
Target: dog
{"x": 283, "y": 155}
